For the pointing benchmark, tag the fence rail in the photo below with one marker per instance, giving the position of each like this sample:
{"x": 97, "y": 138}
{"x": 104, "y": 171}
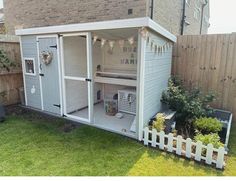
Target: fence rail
{"x": 185, "y": 147}
{"x": 208, "y": 62}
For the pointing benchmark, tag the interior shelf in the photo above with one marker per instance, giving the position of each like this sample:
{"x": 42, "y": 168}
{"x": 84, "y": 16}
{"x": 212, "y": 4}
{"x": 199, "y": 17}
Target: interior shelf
{"x": 116, "y": 78}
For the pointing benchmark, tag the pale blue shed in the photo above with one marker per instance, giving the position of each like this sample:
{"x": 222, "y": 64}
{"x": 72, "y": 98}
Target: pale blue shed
{"x": 108, "y": 74}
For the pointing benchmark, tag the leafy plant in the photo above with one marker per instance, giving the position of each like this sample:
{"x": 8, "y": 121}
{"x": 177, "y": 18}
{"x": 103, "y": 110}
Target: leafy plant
{"x": 5, "y": 62}
{"x": 188, "y": 105}
{"x": 207, "y": 125}
{"x": 214, "y": 139}
{"x": 159, "y": 123}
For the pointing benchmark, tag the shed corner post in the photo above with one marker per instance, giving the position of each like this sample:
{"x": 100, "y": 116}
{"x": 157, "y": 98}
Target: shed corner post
{"x": 140, "y": 86}
{"x": 90, "y": 76}
{"x": 23, "y": 71}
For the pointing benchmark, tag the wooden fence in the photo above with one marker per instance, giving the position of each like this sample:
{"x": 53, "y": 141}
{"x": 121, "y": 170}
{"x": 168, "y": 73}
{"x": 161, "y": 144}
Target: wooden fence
{"x": 186, "y": 148}
{"x": 10, "y": 82}
{"x": 208, "y": 62}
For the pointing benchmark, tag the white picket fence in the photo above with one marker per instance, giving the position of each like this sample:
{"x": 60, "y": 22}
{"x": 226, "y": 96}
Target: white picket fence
{"x": 186, "y": 148}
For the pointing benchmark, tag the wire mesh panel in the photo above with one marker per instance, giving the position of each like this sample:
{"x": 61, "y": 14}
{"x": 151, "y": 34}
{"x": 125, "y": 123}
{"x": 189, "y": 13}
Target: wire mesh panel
{"x": 127, "y": 101}
{"x": 77, "y": 98}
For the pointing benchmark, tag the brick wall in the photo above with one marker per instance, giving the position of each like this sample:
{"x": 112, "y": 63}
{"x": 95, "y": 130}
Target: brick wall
{"x": 35, "y": 13}
{"x": 195, "y": 23}
{"x": 168, "y": 13}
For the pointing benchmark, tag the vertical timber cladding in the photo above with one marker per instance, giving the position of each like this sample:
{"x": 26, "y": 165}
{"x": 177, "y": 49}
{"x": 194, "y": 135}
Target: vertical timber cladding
{"x": 208, "y": 62}
{"x": 32, "y": 84}
{"x": 157, "y": 72}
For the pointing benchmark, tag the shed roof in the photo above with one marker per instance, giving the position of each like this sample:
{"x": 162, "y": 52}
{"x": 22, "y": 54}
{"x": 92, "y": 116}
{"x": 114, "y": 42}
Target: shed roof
{"x": 101, "y": 25}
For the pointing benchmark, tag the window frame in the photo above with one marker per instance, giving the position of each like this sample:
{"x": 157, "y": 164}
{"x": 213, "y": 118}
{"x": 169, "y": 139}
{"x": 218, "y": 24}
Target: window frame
{"x": 25, "y": 71}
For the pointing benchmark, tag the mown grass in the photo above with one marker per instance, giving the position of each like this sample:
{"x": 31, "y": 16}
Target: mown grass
{"x": 34, "y": 145}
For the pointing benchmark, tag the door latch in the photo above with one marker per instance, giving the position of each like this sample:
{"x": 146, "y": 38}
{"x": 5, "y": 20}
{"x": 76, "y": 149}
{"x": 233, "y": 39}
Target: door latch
{"x": 88, "y": 80}
{"x": 55, "y": 46}
{"x": 41, "y": 75}
{"x": 57, "y": 105}
{"x": 40, "y": 66}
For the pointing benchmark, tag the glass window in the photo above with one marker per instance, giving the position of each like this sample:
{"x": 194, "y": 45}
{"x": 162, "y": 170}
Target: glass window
{"x": 29, "y": 66}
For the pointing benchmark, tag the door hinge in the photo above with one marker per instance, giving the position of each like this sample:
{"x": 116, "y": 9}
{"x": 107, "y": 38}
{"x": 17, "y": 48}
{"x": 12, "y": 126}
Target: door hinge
{"x": 55, "y": 46}
{"x": 41, "y": 75}
{"x": 57, "y": 105}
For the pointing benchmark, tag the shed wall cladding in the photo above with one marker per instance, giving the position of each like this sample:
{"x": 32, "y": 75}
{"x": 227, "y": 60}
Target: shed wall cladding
{"x": 29, "y": 50}
{"x": 156, "y": 74}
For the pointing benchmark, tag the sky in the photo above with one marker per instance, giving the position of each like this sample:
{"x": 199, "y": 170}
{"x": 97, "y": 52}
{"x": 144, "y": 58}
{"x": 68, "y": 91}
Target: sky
{"x": 222, "y": 16}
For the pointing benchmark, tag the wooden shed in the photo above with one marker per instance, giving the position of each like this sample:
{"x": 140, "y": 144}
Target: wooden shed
{"x": 108, "y": 74}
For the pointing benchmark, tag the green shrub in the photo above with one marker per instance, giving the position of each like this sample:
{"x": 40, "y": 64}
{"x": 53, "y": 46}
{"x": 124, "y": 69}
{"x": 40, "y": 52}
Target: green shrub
{"x": 207, "y": 125}
{"x": 5, "y": 62}
{"x": 188, "y": 105}
{"x": 159, "y": 123}
{"x": 214, "y": 139}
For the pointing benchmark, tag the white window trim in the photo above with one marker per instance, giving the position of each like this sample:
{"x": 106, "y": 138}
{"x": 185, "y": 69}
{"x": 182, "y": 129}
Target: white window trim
{"x": 31, "y": 74}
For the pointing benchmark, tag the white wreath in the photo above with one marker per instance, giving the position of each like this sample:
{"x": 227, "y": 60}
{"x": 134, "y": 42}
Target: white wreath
{"x": 46, "y": 57}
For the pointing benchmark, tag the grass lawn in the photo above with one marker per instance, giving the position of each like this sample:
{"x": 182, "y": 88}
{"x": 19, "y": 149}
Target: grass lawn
{"x": 38, "y": 145}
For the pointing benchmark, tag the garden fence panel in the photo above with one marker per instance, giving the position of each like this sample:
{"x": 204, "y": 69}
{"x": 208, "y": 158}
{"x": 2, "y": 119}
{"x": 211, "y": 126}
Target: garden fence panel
{"x": 10, "y": 82}
{"x": 208, "y": 62}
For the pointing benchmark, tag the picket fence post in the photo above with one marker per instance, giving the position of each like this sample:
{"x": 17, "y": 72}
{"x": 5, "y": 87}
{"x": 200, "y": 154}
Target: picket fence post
{"x": 154, "y": 137}
{"x": 179, "y": 145}
{"x": 220, "y": 158}
{"x": 209, "y": 154}
{"x": 162, "y": 140}
{"x": 198, "y": 154}
{"x": 146, "y": 135}
{"x": 170, "y": 143}
{"x": 188, "y": 148}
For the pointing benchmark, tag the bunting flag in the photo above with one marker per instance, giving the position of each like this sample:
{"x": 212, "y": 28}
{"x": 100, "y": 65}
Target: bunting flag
{"x": 152, "y": 44}
{"x": 148, "y": 40}
{"x": 156, "y": 46}
{"x": 131, "y": 40}
{"x": 103, "y": 41}
{"x": 111, "y": 44}
{"x": 121, "y": 43}
{"x": 144, "y": 33}
{"x": 95, "y": 39}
